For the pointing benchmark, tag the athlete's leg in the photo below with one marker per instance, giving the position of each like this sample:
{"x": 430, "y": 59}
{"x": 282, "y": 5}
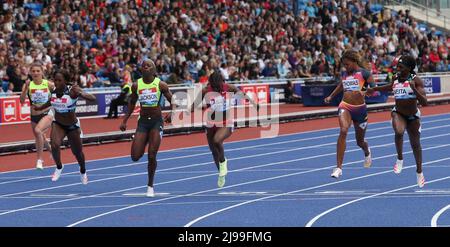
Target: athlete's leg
{"x": 154, "y": 137}
{"x": 345, "y": 121}
{"x": 77, "y": 148}
{"x": 138, "y": 145}
{"x": 210, "y": 132}
{"x": 57, "y": 136}
{"x": 399, "y": 126}
{"x": 221, "y": 134}
{"x": 413, "y": 129}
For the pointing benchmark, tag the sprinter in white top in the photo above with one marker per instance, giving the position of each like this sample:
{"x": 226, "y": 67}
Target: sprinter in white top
{"x": 408, "y": 93}
{"x": 64, "y": 101}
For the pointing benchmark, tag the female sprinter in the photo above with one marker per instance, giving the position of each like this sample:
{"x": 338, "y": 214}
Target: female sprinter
{"x": 354, "y": 82}
{"x": 219, "y": 124}
{"x": 38, "y": 92}
{"x": 408, "y": 90}
{"x": 147, "y": 90}
{"x": 64, "y": 101}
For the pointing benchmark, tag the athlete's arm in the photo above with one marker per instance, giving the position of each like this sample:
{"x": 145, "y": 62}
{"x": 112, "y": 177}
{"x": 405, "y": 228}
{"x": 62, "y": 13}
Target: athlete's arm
{"x": 199, "y": 99}
{"x": 384, "y": 88}
{"x": 418, "y": 88}
{"x": 24, "y": 92}
{"x": 166, "y": 92}
{"x": 80, "y": 93}
{"x": 237, "y": 91}
{"x": 51, "y": 85}
{"x": 335, "y": 92}
{"x": 371, "y": 82}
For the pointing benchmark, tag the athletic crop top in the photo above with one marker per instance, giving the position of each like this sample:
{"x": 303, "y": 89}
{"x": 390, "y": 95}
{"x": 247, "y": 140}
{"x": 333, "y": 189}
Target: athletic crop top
{"x": 65, "y": 103}
{"x": 219, "y": 102}
{"x": 149, "y": 94}
{"x": 403, "y": 90}
{"x": 39, "y": 94}
{"x": 356, "y": 81}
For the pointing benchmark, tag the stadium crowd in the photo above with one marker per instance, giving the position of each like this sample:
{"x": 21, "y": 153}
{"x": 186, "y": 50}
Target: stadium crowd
{"x": 102, "y": 42}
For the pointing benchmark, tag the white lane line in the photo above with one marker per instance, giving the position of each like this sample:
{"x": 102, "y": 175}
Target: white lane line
{"x": 52, "y": 195}
{"x": 245, "y": 183}
{"x": 242, "y": 157}
{"x": 169, "y": 182}
{"x": 313, "y": 220}
{"x": 206, "y": 163}
{"x": 296, "y": 191}
{"x": 243, "y": 193}
{"x": 432, "y": 191}
{"x": 341, "y": 192}
{"x": 253, "y": 139}
{"x": 436, "y": 216}
{"x": 185, "y": 179}
{"x": 144, "y": 194}
{"x": 195, "y": 155}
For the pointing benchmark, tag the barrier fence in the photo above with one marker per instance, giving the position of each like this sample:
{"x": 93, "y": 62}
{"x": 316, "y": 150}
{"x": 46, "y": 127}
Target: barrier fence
{"x": 265, "y": 92}
{"x": 311, "y": 90}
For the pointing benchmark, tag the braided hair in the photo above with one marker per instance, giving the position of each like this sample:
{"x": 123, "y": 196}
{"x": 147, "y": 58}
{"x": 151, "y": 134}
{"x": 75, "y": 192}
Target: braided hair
{"x": 354, "y": 56}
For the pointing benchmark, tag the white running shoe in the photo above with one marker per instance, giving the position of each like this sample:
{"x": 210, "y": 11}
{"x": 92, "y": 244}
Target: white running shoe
{"x": 57, "y": 174}
{"x": 223, "y": 169}
{"x": 420, "y": 180}
{"x": 336, "y": 172}
{"x": 368, "y": 160}
{"x": 84, "y": 178}
{"x": 150, "y": 191}
{"x": 39, "y": 164}
{"x": 398, "y": 166}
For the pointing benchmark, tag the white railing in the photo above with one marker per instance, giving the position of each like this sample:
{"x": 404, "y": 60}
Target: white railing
{"x": 432, "y": 16}
{"x": 377, "y": 77}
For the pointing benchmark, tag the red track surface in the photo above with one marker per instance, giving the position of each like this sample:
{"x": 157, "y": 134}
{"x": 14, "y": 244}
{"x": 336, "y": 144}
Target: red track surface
{"x": 23, "y": 132}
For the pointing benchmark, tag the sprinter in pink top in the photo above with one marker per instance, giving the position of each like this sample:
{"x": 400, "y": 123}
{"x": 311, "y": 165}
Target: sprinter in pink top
{"x": 354, "y": 83}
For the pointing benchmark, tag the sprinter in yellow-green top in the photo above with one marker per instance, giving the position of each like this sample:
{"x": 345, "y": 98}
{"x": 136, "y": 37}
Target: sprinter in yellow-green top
{"x": 147, "y": 90}
{"x": 38, "y": 92}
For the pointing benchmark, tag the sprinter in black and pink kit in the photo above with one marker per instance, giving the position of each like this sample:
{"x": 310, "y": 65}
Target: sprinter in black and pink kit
{"x": 219, "y": 125}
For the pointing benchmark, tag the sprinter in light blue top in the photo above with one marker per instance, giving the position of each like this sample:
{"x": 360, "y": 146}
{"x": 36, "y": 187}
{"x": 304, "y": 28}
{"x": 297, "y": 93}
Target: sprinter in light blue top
{"x": 66, "y": 124}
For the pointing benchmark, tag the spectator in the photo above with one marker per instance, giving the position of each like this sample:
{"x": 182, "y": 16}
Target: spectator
{"x": 269, "y": 70}
{"x": 122, "y": 99}
{"x": 181, "y": 35}
{"x": 13, "y": 73}
{"x": 289, "y": 94}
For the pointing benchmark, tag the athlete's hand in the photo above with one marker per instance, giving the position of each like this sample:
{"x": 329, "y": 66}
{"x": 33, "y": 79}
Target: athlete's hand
{"x": 123, "y": 126}
{"x": 327, "y": 100}
{"x": 370, "y": 92}
{"x": 27, "y": 83}
{"x": 168, "y": 118}
{"x": 76, "y": 90}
